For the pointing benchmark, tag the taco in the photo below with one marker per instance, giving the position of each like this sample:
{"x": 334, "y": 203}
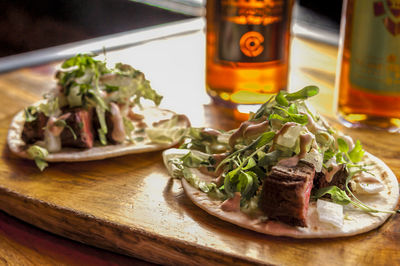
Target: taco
{"x": 95, "y": 112}
{"x": 285, "y": 172}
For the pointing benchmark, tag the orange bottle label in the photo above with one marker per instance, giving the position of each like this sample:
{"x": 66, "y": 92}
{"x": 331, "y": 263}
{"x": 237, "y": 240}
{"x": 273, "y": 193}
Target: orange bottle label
{"x": 251, "y": 30}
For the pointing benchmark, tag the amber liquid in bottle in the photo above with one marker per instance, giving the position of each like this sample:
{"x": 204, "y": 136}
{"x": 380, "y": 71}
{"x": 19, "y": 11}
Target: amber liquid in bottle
{"x": 360, "y": 103}
{"x": 247, "y": 50}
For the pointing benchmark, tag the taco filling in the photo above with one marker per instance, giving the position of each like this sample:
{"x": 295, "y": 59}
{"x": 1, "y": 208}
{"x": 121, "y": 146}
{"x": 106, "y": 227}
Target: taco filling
{"x": 94, "y": 106}
{"x": 286, "y": 172}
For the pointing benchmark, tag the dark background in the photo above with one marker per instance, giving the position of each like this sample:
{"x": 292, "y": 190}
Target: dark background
{"x": 27, "y": 25}
{"x": 31, "y": 25}
{"x": 331, "y": 9}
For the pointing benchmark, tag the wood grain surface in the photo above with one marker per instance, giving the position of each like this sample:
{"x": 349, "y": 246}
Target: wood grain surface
{"x": 24, "y": 244}
{"x": 131, "y": 206}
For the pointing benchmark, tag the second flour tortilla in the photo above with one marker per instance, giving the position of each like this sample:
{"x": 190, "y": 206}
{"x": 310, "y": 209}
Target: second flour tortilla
{"x": 356, "y": 221}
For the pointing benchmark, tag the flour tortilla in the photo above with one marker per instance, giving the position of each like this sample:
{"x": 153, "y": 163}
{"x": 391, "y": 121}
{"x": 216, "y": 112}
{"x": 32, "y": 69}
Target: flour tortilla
{"x": 355, "y": 222}
{"x": 98, "y": 152}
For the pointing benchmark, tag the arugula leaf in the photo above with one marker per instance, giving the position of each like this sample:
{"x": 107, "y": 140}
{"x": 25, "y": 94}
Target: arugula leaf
{"x": 342, "y": 145}
{"x": 250, "y": 164}
{"x": 357, "y": 153}
{"x": 279, "y": 117}
{"x": 245, "y": 181}
{"x": 233, "y": 174}
{"x": 338, "y": 196}
{"x": 228, "y": 186}
{"x": 344, "y": 156}
{"x": 281, "y": 99}
{"x": 262, "y": 111}
{"x": 293, "y": 109}
{"x": 291, "y": 116}
{"x": 259, "y": 144}
{"x": 246, "y": 184}
{"x": 340, "y": 159}
{"x": 301, "y": 119}
{"x": 265, "y": 138}
{"x": 328, "y": 154}
{"x": 303, "y": 94}
{"x": 268, "y": 159}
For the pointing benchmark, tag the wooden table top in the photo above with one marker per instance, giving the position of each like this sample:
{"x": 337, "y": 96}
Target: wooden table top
{"x": 175, "y": 67}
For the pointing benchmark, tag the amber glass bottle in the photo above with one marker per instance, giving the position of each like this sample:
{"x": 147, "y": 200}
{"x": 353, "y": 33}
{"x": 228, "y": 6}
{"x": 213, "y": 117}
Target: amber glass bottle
{"x": 247, "y": 49}
{"x": 369, "y": 81}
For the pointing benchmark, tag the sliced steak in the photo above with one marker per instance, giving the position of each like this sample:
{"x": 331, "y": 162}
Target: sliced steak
{"x": 286, "y": 192}
{"x": 338, "y": 179}
{"x": 80, "y": 122}
{"x": 34, "y": 131}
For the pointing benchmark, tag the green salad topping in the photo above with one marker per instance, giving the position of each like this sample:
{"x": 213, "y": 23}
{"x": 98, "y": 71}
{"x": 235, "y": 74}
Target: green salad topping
{"x": 283, "y": 130}
{"x": 86, "y": 83}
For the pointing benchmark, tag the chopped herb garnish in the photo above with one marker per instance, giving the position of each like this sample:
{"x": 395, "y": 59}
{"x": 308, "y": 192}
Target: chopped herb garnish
{"x": 38, "y": 154}
{"x": 30, "y": 114}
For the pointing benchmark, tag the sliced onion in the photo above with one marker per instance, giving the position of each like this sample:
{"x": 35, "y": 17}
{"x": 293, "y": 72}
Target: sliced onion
{"x": 329, "y": 212}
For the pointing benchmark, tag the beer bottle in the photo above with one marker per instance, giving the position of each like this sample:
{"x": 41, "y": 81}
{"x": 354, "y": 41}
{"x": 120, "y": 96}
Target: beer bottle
{"x": 247, "y": 49}
{"x": 369, "y": 76}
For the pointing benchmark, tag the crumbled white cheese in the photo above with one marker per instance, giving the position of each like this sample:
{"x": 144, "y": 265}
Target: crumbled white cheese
{"x": 314, "y": 157}
{"x": 329, "y": 212}
{"x": 289, "y": 138}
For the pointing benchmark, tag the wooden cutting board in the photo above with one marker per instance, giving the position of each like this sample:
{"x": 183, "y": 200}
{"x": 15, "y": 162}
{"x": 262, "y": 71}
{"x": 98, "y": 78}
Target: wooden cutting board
{"x": 130, "y": 205}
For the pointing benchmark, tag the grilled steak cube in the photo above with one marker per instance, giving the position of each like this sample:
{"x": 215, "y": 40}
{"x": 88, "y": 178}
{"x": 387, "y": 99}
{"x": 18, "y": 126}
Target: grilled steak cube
{"x": 34, "y": 131}
{"x": 80, "y": 122}
{"x": 338, "y": 179}
{"x": 286, "y": 192}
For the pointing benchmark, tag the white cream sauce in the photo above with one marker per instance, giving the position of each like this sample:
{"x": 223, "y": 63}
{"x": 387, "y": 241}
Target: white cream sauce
{"x": 52, "y": 133}
{"x": 329, "y": 174}
{"x": 349, "y": 141}
{"x": 52, "y": 142}
{"x": 366, "y": 183}
{"x": 312, "y": 126}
